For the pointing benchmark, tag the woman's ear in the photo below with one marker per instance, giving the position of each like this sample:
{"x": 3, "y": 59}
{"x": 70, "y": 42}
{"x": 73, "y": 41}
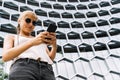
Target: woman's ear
{"x": 18, "y": 21}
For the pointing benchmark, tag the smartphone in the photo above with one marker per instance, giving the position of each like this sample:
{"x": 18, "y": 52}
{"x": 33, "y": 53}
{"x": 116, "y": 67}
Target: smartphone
{"x": 51, "y": 28}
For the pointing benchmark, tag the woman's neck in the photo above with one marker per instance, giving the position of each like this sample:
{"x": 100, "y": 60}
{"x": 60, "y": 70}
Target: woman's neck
{"x": 25, "y": 34}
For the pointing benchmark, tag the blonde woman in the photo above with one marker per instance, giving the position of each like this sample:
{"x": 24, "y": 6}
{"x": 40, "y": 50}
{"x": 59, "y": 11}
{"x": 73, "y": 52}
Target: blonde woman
{"x": 32, "y": 59}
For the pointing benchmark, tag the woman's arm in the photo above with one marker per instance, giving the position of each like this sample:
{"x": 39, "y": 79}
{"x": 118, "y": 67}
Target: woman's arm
{"x": 52, "y": 42}
{"x": 9, "y": 51}
{"x": 52, "y": 53}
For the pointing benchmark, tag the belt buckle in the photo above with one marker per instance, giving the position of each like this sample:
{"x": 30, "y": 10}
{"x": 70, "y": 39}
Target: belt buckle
{"x": 39, "y": 59}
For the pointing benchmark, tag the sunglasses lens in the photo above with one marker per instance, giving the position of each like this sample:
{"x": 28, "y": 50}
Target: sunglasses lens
{"x": 28, "y": 20}
{"x": 34, "y": 23}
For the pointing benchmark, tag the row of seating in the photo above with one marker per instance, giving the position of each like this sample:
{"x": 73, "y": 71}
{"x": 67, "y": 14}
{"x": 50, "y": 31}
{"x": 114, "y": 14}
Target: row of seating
{"x": 23, "y": 1}
{"x": 89, "y": 14}
{"x": 33, "y": 2}
{"x": 98, "y": 46}
{"x": 70, "y": 0}
{"x": 85, "y": 35}
{"x": 13, "y": 6}
{"x": 74, "y": 24}
{"x": 9, "y": 28}
{"x": 72, "y": 7}
{"x": 82, "y": 1}
{"x": 78, "y": 6}
{"x": 69, "y": 48}
{"x": 87, "y": 24}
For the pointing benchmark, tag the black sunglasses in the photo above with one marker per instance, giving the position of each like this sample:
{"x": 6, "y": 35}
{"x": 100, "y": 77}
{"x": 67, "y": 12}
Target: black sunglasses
{"x": 28, "y": 20}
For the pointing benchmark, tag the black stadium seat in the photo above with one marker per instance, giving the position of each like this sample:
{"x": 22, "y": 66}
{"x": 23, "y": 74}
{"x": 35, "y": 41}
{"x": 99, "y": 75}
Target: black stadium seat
{"x": 47, "y": 22}
{"x": 76, "y": 24}
{"x": 14, "y": 17}
{"x": 67, "y": 15}
{"x": 92, "y": 5}
{"x": 24, "y": 8}
{"x": 63, "y": 24}
{"x": 46, "y": 5}
{"x": 11, "y": 5}
{"x": 62, "y": 0}
{"x": 114, "y": 20}
{"x": 114, "y": 44}
{"x": 70, "y": 7}
{"x": 87, "y": 35}
{"x": 60, "y": 35}
{"x": 83, "y": 0}
{"x": 81, "y": 6}
{"x": 102, "y": 22}
{"x": 115, "y": 1}
{"x": 33, "y": 2}
{"x": 79, "y": 15}
{"x": 73, "y": 35}
{"x": 85, "y": 47}
{"x": 104, "y": 4}
{"x": 41, "y": 12}
{"x": 114, "y": 31}
{"x": 73, "y": 0}
{"x": 4, "y": 14}
{"x": 101, "y": 33}
{"x": 1, "y": 2}
{"x": 89, "y": 24}
{"x": 1, "y": 41}
{"x": 8, "y": 28}
{"x": 103, "y": 12}
{"x": 69, "y": 48}
{"x": 91, "y": 14}
{"x": 115, "y": 10}
{"x": 58, "y": 6}
{"x": 98, "y": 46}
{"x": 54, "y": 14}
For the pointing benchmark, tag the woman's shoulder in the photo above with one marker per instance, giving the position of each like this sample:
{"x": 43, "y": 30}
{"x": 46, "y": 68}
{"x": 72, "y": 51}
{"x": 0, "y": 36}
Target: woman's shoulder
{"x": 10, "y": 36}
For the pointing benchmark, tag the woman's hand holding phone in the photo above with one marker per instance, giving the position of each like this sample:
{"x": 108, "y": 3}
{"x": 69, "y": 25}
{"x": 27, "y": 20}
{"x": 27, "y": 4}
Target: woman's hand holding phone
{"x": 50, "y": 38}
{"x": 51, "y": 29}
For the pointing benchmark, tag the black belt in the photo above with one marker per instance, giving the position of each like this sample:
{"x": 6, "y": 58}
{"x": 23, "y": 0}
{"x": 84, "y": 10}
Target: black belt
{"x": 31, "y": 60}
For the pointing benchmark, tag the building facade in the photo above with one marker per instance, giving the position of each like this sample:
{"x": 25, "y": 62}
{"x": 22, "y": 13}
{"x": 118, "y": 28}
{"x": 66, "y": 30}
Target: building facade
{"x": 88, "y": 34}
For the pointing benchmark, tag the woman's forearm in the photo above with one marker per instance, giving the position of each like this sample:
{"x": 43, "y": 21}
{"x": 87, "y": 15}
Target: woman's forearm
{"x": 52, "y": 53}
{"x": 15, "y": 51}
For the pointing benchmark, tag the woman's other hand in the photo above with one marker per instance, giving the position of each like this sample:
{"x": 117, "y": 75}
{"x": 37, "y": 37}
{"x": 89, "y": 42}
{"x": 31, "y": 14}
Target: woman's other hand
{"x": 40, "y": 38}
{"x": 51, "y": 39}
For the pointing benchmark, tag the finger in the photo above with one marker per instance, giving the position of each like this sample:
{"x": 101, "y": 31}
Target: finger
{"x": 53, "y": 39}
{"x": 53, "y": 34}
{"x": 44, "y": 33}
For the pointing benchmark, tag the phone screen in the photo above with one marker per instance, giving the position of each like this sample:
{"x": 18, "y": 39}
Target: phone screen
{"x": 51, "y": 28}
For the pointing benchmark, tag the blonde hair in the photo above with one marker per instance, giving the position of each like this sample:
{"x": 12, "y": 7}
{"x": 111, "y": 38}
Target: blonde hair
{"x": 24, "y": 14}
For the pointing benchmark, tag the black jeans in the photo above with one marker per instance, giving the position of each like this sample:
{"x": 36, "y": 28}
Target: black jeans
{"x": 30, "y": 69}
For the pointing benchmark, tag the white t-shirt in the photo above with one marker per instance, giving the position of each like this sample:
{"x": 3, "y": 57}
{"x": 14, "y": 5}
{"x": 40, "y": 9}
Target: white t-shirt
{"x": 35, "y": 52}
